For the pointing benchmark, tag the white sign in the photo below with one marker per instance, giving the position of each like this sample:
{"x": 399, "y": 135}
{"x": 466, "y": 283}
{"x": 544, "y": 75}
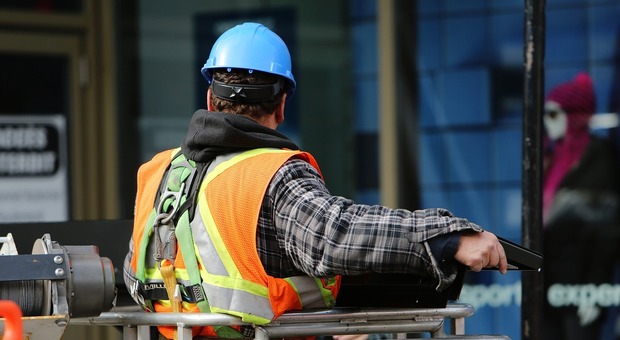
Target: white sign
{"x": 33, "y": 169}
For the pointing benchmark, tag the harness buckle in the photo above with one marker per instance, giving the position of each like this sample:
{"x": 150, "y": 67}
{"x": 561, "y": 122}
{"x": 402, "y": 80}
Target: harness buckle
{"x": 165, "y": 239}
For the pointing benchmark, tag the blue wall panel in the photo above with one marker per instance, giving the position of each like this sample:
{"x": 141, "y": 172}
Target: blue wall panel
{"x": 507, "y": 38}
{"x": 474, "y": 204}
{"x": 602, "y": 76}
{"x": 567, "y": 38}
{"x": 366, "y": 105}
{"x": 465, "y": 95}
{"x": 465, "y": 41}
{"x": 431, "y": 105}
{"x": 429, "y": 45}
{"x": 364, "y": 48}
{"x": 467, "y": 157}
{"x": 603, "y": 33}
{"x": 506, "y": 154}
{"x": 506, "y": 210}
{"x": 433, "y": 168}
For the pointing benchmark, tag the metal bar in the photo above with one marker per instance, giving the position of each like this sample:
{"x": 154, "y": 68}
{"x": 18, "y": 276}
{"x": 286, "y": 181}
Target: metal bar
{"x": 184, "y": 332}
{"x": 33, "y": 267}
{"x": 144, "y": 332}
{"x": 400, "y": 326}
{"x": 438, "y": 332}
{"x": 260, "y": 334}
{"x": 130, "y": 333}
{"x": 158, "y": 319}
{"x": 134, "y": 316}
{"x": 457, "y": 326}
{"x": 453, "y": 310}
{"x": 531, "y": 184}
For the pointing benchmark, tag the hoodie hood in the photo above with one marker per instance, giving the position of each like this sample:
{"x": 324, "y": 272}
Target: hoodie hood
{"x": 211, "y": 134}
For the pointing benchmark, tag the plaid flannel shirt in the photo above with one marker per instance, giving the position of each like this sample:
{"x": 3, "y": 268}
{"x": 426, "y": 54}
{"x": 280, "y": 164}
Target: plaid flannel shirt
{"x": 303, "y": 229}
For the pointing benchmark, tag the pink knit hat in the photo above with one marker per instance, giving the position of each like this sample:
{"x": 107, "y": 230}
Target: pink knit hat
{"x": 576, "y": 96}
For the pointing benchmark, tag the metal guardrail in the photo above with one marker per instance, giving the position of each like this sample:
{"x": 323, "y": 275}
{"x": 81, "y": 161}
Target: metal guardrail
{"x": 137, "y": 324}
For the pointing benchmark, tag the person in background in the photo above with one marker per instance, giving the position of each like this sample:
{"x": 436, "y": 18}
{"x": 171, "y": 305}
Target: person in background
{"x": 265, "y": 234}
{"x": 581, "y": 189}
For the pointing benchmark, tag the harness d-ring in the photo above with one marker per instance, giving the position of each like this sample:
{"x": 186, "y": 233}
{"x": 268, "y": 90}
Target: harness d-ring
{"x": 175, "y": 204}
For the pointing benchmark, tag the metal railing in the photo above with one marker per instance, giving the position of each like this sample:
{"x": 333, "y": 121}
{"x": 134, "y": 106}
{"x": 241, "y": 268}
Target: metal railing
{"x": 399, "y": 321}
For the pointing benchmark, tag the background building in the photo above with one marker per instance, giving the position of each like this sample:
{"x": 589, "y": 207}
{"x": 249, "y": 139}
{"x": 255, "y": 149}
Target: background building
{"x": 411, "y": 104}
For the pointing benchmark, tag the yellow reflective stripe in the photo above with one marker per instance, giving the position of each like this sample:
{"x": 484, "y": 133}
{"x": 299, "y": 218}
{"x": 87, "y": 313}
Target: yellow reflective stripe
{"x": 214, "y": 235}
{"x": 256, "y": 309}
{"x": 250, "y": 318}
{"x": 246, "y": 296}
{"x": 238, "y": 158}
{"x": 224, "y": 256}
{"x": 205, "y": 213}
{"x": 255, "y": 296}
{"x": 154, "y": 273}
{"x": 254, "y": 319}
{"x": 205, "y": 249}
{"x": 231, "y": 278}
{"x": 182, "y": 274}
{"x": 328, "y": 297}
{"x": 309, "y": 291}
{"x": 238, "y": 283}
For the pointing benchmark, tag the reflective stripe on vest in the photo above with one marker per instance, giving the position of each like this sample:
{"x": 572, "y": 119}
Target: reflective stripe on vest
{"x": 237, "y": 284}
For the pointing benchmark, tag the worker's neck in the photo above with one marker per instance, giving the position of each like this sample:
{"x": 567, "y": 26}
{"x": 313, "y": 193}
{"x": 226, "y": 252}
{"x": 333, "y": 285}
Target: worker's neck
{"x": 268, "y": 121}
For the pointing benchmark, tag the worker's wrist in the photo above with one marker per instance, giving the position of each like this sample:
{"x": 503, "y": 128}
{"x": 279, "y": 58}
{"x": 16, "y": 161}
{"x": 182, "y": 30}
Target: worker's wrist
{"x": 444, "y": 247}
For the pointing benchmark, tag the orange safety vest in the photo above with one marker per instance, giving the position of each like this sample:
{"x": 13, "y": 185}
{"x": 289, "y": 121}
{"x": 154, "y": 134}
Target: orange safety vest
{"x": 230, "y": 278}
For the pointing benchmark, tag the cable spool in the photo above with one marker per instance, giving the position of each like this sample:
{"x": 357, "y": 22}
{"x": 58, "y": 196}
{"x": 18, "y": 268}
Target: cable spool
{"x": 79, "y": 280}
{"x": 27, "y": 294}
{"x": 40, "y": 247}
{"x": 32, "y": 296}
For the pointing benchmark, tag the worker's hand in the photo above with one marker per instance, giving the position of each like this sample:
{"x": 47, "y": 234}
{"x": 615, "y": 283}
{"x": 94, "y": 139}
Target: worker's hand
{"x": 481, "y": 250}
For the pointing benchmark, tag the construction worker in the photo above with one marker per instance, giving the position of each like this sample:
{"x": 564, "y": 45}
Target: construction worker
{"x": 238, "y": 220}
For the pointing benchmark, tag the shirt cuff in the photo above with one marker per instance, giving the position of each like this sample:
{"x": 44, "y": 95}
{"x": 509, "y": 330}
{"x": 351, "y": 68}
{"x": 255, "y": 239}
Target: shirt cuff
{"x": 444, "y": 247}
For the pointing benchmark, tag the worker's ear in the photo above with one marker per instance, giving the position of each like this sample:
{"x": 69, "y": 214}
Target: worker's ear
{"x": 280, "y": 110}
{"x": 209, "y": 103}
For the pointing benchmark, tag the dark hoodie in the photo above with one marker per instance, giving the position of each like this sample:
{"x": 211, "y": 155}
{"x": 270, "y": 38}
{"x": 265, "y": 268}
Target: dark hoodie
{"x": 215, "y": 133}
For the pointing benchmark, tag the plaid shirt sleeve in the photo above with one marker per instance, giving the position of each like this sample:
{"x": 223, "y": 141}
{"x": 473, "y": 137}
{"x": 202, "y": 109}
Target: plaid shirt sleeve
{"x": 304, "y": 229}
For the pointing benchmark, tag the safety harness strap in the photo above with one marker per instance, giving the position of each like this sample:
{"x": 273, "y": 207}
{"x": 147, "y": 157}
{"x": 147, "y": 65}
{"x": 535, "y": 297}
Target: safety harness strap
{"x": 174, "y": 295}
{"x": 157, "y": 291}
{"x": 185, "y": 204}
{"x": 186, "y": 242}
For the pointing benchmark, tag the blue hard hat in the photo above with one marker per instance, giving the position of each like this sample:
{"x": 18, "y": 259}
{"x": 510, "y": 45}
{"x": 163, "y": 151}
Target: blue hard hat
{"x": 251, "y": 46}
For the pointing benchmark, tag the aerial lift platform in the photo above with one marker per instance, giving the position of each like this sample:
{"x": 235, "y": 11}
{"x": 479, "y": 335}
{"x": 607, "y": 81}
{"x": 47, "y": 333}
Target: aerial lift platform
{"x": 57, "y": 286}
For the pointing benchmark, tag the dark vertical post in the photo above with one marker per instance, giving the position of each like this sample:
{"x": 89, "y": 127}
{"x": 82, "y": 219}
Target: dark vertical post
{"x": 531, "y": 184}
